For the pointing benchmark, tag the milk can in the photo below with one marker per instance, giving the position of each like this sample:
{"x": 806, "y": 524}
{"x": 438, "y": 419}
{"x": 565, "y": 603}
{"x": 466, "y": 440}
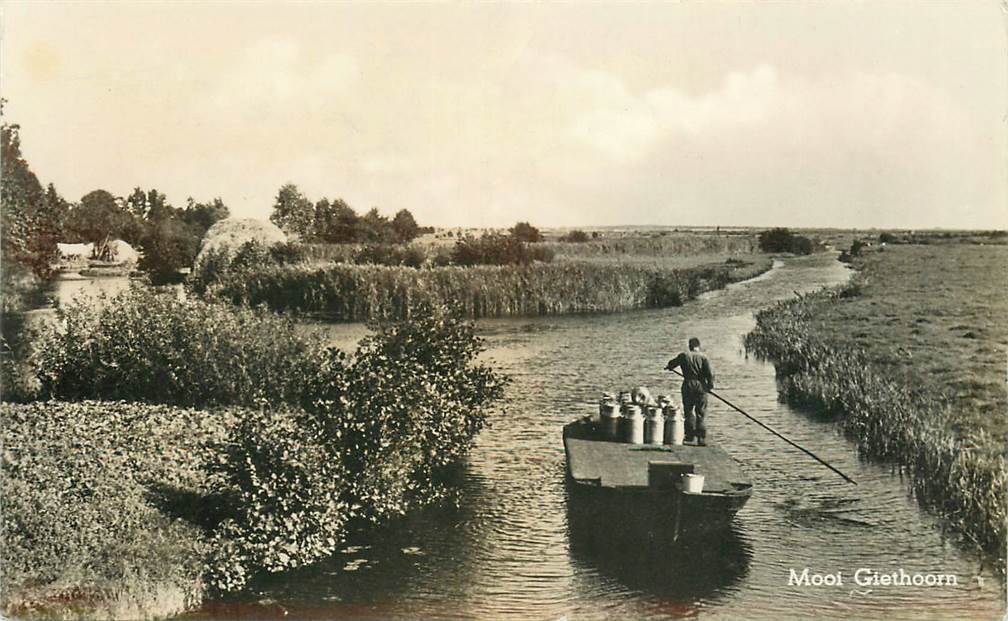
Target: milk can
{"x": 633, "y": 424}
{"x": 675, "y": 425}
{"x": 654, "y": 425}
{"x": 609, "y": 417}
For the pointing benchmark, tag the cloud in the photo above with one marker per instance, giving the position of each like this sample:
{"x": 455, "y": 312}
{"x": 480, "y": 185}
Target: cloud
{"x": 625, "y": 126}
{"x": 276, "y": 76}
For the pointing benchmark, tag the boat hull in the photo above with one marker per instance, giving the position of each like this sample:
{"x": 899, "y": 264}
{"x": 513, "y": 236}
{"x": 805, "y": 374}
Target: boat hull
{"x": 611, "y": 487}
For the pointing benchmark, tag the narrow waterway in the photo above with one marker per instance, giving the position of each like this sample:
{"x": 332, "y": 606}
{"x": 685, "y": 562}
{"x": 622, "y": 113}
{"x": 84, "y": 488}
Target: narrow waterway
{"x": 507, "y": 551}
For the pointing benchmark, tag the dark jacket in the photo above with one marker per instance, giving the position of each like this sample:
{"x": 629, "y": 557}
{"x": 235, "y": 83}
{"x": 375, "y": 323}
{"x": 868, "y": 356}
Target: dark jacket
{"x": 696, "y": 370}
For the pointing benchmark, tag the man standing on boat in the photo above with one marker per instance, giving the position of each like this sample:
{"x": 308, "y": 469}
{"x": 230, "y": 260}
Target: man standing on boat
{"x": 698, "y": 380}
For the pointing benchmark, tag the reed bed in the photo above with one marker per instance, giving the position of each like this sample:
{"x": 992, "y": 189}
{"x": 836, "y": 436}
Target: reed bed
{"x": 879, "y": 355}
{"x": 368, "y": 292}
{"x": 660, "y": 244}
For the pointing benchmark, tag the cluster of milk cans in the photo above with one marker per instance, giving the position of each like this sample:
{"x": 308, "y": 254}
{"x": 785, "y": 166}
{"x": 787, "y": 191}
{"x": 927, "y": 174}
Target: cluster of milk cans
{"x": 635, "y": 417}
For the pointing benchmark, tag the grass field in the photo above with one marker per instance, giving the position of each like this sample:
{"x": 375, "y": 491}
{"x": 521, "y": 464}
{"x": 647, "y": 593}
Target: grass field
{"x": 934, "y": 317}
{"x": 911, "y": 357}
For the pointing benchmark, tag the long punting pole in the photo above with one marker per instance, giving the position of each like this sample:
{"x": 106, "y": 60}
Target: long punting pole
{"x": 776, "y": 433}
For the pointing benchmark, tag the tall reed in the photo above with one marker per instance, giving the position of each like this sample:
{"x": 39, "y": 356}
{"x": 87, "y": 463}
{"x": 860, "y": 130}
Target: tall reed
{"x": 366, "y": 292}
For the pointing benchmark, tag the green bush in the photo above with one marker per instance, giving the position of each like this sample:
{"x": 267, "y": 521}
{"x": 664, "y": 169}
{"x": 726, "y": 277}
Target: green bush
{"x": 497, "y": 250}
{"x": 576, "y": 236}
{"x": 783, "y": 240}
{"x": 388, "y": 254}
{"x": 149, "y": 347}
{"x": 332, "y": 439}
{"x": 523, "y": 231}
{"x": 373, "y": 441}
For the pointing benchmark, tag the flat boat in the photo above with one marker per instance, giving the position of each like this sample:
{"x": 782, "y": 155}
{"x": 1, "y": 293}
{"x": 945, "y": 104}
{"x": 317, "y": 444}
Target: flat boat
{"x": 640, "y": 487}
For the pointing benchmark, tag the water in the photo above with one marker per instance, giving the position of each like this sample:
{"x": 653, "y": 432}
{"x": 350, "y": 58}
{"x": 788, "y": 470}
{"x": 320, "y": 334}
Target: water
{"x": 507, "y": 551}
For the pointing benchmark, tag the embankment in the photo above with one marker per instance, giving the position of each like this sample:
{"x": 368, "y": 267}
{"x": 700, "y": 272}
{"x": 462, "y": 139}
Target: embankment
{"x": 909, "y": 358}
{"x": 176, "y": 448}
{"x": 364, "y": 292}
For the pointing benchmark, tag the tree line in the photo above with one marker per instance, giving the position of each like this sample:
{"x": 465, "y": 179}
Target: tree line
{"x": 35, "y": 219}
{"x": 336, "y": 222}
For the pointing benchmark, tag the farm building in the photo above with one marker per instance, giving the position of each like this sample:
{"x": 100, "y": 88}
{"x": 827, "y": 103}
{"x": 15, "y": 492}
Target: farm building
{"x": 75, "y": 253}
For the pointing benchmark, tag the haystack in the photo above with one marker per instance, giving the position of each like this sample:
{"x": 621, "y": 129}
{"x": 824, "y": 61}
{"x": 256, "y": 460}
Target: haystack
{"x": 229, "y": 235}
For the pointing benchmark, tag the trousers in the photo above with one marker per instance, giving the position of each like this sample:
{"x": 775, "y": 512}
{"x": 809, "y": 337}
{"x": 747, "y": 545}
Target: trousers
{"x": 694, "y": 401}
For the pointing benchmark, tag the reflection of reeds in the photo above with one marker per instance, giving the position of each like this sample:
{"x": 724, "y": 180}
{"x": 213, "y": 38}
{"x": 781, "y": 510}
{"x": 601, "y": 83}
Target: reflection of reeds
{"x": 889, "y": 418}
{"x": 363, "y": 292}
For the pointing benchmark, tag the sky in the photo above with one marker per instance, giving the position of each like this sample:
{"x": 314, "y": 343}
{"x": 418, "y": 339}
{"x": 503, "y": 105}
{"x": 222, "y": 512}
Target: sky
{"x": 801, "y": 114}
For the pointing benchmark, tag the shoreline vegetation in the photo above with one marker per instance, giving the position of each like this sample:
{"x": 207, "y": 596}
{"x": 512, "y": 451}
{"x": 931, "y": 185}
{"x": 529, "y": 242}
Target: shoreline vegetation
{"x": 176, "y": 448}
{"x": 909, "y": 357}
{"x": 345, "y": 292}
{"x": 170, "y": 450}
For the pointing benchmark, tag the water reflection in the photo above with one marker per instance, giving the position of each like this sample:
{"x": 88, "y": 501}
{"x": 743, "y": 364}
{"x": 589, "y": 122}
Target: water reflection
{"x": 514, "y": 550}
{"x": 698, "y": 566}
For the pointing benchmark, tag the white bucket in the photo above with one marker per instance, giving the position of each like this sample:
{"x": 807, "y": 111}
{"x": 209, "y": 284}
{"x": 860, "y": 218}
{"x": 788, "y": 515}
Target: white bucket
{"x": 693, "y": 483}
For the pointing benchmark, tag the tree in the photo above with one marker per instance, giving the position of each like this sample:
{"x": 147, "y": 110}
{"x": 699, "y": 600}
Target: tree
{"x": 523, "y": 231}
{"x": 204, "y": 215}
{"x": 336, "y": 222}
{"x": 783, "y": 240}
{"x": 292, "y": 212}
{"x": 405, "y": 226}
{"x": 22, "y": 201}
{"x": 169, "y": 244}
{"x": 99, "y": 215}
{"x": 376, "y": 228}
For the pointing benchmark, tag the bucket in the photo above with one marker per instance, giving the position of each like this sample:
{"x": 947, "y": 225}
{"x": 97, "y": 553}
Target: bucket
{"x": 667, "y": 474}
{"x": 693, "y": 483}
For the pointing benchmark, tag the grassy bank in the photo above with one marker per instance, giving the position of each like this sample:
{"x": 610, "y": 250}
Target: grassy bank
{"x": 366, "y": 292}
{"x": 120, "y": 509}
{"x": 87, "y": 531}
{"x": 910, "y": 358}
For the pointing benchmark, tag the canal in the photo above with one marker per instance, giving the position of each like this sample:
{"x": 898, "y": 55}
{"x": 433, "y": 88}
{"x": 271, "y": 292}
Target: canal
{"x": 506, "y": 551}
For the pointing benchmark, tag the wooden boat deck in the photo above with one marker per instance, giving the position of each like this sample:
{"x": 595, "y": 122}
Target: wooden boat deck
{"x": 617, "y": 464}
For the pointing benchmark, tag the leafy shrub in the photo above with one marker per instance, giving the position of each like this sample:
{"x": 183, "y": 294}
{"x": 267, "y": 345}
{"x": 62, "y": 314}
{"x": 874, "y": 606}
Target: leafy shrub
{"x": 523, "y": 231}
{"x": 333, "y": 439}
{"x": 375, "y": 436}
{"x": 387, "y": 254}
{"x": 576, "y": 236}
{"x": 497, "y": 250}
{"x": 290, "y": 488}
{"x": 783, "y": 240}
{"x": 155, "y": 348}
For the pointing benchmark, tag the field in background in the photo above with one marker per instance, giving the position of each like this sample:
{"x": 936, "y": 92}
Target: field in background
{"x": 910, "y": 358}
{"x": 933, "y": 316}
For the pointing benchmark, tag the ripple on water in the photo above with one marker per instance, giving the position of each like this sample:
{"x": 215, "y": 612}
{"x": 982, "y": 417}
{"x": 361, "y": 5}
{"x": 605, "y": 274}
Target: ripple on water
{"x": 508, "y": 551}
